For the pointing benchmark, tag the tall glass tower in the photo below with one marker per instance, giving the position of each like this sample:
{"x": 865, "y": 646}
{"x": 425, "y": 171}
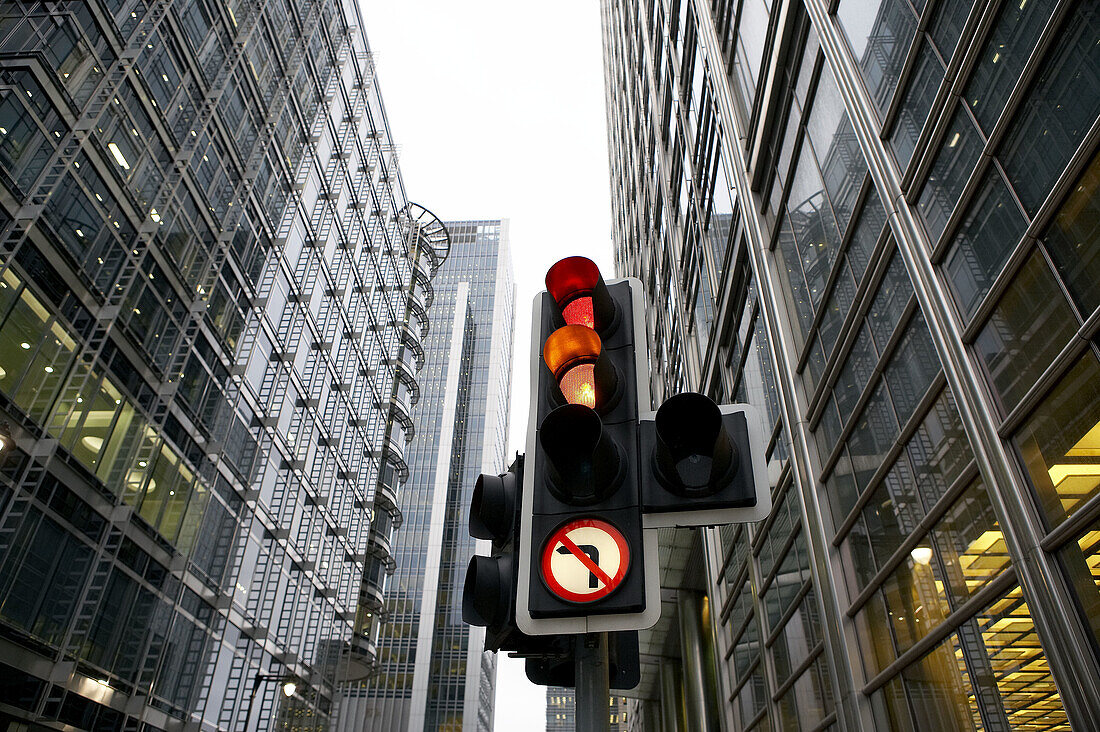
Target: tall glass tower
{"x": 877, "y": 220}
{"x": 432, "y": 672}
{"x": 213, "y": 291}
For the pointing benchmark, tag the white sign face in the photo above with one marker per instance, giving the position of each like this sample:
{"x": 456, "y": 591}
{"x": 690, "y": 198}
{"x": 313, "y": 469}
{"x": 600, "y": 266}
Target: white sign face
{"x": 585, "y": 560}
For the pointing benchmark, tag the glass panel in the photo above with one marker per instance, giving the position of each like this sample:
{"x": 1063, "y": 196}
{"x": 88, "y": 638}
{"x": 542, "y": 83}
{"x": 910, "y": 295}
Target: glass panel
{"x": 923, "y": 85}
{"x": 915, "y": 600}
{"x": 1030, "y": 325}
{"x": 940, "y": 694}
{"x": 961, "y": 146}
{"x": 991, "y": 229}
{"x": 836, "y": 147}
{"x": 969, "y": 543}
{"x": 939, "y": 449}
{"x": 911, "y": 368}
{"x": 890, "y": 301}
{"x": 1060, "y": 108}
{"x": 1060, "y": 442}
{"x": 1008, "y": 649}
{"x": 1082, "y": 562}
{"x": 1008, "y": 48}
{"x": 880, "y": 38}
{"x": 1072, "y": 240}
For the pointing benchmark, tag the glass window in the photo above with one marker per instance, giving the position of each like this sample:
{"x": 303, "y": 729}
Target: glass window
{"x": 955, "y": 161}
{"x": 880, "y": 38}
{"x": 1007, "y": 659}
{"x": 939, "y": 689}
{"x": 1060, "y": 441}
{"x": 923, "y": 84}
{"x": 1060, "y": 108}
{"x": 1072, "y": 240}
{"x": 1030, "y": 325}
{"x": 890, "y": 301}
{"x": 969, "y": 543}
{"x": 947, "y": 24}
{"x": 939, "y": 449}
{"x": 912, "y": 367}
{"x": 1017, "y": 28}
{"x": 873, "y": 436}
{"x": 990, "y": 230}
{"x": 1082, "y": 562}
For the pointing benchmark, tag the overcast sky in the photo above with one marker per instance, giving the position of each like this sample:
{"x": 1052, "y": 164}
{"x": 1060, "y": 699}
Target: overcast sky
{"x": 498, "y": 109}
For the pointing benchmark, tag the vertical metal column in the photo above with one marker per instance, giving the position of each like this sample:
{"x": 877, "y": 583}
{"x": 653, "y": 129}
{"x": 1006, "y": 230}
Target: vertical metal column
{"x": 670, "y": 698}
{"x": 700, "y": 699}
{"x": 593, "y": 693}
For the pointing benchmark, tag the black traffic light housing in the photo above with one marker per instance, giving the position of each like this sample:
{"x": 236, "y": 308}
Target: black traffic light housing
{"x": 582, "y": 443}
{"x": 702, "y": 464}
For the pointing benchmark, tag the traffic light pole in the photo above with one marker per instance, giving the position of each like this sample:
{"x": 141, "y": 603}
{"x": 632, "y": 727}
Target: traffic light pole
{"x": 593, "y": 693}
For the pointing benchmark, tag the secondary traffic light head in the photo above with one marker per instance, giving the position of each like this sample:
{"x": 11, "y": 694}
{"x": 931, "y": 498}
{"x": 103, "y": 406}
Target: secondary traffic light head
{"x": 488, "y": 594}
{"x": 701, "y": 464}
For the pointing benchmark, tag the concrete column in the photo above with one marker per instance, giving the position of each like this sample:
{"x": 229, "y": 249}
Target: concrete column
{"x": 700, "y": 694}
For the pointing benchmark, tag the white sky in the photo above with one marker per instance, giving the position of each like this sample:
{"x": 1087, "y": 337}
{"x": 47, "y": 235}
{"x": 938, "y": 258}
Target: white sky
{"x": 498, "y": 109}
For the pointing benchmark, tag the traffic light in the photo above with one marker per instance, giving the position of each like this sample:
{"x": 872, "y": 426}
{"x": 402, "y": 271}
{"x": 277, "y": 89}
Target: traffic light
{"x": 489, "y": 592}
{"x": 585, "y": 563}
{"x": 702, "y": 465}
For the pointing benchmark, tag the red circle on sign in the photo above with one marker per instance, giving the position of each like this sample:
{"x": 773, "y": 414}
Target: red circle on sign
{"x": 609, "y": 583}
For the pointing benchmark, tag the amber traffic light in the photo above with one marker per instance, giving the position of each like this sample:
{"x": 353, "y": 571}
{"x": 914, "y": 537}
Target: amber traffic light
{"x": 584, "y": 374}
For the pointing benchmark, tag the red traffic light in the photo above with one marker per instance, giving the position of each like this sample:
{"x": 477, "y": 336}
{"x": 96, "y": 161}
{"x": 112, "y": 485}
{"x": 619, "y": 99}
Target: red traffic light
{"x": 578, "y": 289}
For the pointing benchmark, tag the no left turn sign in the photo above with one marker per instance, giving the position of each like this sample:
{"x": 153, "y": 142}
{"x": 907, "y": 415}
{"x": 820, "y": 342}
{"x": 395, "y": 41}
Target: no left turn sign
{"x": 585, "y": 560}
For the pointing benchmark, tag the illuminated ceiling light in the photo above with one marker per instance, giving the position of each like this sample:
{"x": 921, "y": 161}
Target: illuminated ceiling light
{"x": 1058, "y": 473}
{"x": 922, "y": 554}
{"x": 80, "y": 233}
{"x": 48, "y": 369}
{"x": 3, "y": 373}
{"x": 289, "y": 688}
{"x": 119, "y": 157}
{"x": 92, "y": 442}
{"x": 24, "y": 345}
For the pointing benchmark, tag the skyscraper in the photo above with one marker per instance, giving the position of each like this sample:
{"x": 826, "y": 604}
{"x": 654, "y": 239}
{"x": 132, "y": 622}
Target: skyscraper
{"x": 433, "y": 674}
{"x": 877, "y": 221}
{"x": 212, "y": 294}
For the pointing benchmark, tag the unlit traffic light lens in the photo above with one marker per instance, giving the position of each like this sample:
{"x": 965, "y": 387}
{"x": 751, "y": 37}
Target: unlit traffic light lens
{"x": 694, "y": 451}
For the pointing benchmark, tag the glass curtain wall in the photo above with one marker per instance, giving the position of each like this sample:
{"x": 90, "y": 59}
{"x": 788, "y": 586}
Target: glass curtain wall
{"x": 877, "y": 221}
{"x": 209, "y": 286}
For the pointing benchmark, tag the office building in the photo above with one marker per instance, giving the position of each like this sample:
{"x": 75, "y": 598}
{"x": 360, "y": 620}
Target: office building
{"x": 433, "y": 673}
{"x": 877, "y": 221}
{"x": 212, "y": 294}
{"x": 561, "y": 711}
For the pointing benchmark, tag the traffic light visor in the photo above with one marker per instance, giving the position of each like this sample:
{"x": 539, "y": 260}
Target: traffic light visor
{"x": 579, "y": 291}
{"x": 571, "y": 353}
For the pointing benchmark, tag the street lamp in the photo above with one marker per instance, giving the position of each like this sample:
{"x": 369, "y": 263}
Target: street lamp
{"x": 290, "y": 686}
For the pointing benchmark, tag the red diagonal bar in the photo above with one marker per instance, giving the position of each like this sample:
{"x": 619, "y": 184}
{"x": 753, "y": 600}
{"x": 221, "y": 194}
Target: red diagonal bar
{"x": 585, "y": 560}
